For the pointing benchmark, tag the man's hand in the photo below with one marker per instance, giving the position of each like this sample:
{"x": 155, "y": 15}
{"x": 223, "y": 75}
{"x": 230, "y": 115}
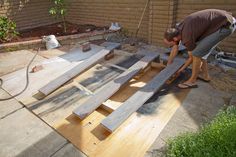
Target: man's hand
{"x": 169, "y": 62}
{"x": 173, "y": 53}
{"x": 175, "y": 76}
{"x": 186, "y": 64}
{"x": 180, "y": 71}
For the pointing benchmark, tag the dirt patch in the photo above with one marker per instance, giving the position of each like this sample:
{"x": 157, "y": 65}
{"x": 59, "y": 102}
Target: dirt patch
{"x": 55, "y": 29}
{"x": 129, "y": 48}
{"x": 225, "y": 81}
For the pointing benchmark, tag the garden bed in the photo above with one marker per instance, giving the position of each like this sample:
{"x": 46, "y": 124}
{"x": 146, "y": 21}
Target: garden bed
{"x": 32, "y": 38}
{"x": 55, "y": 29}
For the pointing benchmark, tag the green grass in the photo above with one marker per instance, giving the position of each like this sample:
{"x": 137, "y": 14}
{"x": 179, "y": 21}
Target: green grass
{"x": 215, "y": 139}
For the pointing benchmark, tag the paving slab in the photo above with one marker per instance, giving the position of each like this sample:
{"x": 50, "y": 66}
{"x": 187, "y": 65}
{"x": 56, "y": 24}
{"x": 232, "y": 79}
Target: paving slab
{"x": 12, "y": 61}
{"x": 22, "y": 134}
{"x": 51, "y": 53}
{"x": 200, "y": 105}
{"x": 9, "y": 106}
{"x": 69, "y": 151}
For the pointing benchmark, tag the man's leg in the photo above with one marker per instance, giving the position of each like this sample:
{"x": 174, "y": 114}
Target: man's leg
{"x": 204, "y": 73}
{"x": 191, "y": 82}
{"x": 195, "y": 70}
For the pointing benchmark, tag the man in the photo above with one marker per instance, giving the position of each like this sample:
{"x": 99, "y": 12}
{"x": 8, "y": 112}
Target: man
{"x": 199, "y": 32}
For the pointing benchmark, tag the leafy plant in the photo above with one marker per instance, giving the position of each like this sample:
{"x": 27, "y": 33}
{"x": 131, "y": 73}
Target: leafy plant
{"x": 59, "y": 11}
{"x": 215, "y": 139}
{"x": 7, "y": 29}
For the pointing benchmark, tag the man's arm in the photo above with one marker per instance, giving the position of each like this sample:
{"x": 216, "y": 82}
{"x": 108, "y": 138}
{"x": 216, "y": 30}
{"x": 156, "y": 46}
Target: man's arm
{"x": 173, "y": 54}
{"x": 187, "y": 63}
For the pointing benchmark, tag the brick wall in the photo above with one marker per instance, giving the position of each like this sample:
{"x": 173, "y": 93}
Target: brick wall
{"x": 159, "y": 15}
{"x": 27, "y": 13}
{"x": 103, "y": 12}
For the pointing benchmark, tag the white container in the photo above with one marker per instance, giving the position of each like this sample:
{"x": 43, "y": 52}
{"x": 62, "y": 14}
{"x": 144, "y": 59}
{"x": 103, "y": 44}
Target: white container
{"x": 51, "y": 42}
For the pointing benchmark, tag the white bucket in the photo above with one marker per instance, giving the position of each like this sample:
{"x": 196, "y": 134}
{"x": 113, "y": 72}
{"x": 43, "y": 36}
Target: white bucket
{"x": 51, "y": 42}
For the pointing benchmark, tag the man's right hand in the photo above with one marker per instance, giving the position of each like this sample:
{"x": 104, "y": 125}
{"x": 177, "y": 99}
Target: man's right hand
{"x": 169, "y": 62}
{"x": 173, "y": 53}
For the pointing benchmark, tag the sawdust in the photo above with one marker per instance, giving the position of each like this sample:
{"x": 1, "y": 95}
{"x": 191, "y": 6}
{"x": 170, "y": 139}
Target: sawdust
{"x": 224, "y": 81}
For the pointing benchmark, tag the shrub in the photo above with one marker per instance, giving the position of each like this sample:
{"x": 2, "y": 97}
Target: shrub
{"x": 7, "y": 29}
{"x": 215, "y": 139}
{"x": 59, "y": 11}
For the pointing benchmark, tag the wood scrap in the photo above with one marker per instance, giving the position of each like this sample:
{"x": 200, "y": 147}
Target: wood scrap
{"x": 109, "y": 56}
{"x": 85, "y": 47}
{"x": 36, "y": 68}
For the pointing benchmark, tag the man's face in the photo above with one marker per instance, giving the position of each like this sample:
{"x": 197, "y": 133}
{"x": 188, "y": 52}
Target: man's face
{"x": 171, "y": 43}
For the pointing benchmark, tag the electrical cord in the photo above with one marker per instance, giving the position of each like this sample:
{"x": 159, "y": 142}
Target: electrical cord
{"x": 27, "y": 79}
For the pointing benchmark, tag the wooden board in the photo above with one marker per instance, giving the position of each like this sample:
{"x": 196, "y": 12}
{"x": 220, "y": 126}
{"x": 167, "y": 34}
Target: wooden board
{"x": 97, "y": 76}
{"x": 107, "y": 91}
{"x": 51, "y": 53}
{"x": 139, "y": 131}
{"x": 59, "y": 81}
{"x": 71, "y": 53}
{"x": 76, "y": 54}
{"x": 116, "y": 118}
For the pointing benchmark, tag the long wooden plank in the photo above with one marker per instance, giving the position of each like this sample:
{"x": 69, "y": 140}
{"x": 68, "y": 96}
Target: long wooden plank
{"x": 116, "y": 118}
{"x": 112, "y": 87}
{"x": 59, "y": 81}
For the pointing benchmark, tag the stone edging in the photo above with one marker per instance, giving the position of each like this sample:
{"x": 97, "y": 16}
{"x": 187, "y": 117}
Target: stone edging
{"x": 64, "y": 40}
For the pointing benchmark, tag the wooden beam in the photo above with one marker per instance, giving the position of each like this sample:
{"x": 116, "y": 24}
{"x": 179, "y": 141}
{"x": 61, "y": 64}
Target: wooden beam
{"x": 116, "y": 118}
{"x": 115, "y": 66}
{"x": 109, "y": 89}
{"x": 59, "y": 81}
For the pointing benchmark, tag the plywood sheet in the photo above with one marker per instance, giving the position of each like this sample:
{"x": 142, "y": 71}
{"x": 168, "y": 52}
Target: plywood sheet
{"x": 139, "y": 131}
